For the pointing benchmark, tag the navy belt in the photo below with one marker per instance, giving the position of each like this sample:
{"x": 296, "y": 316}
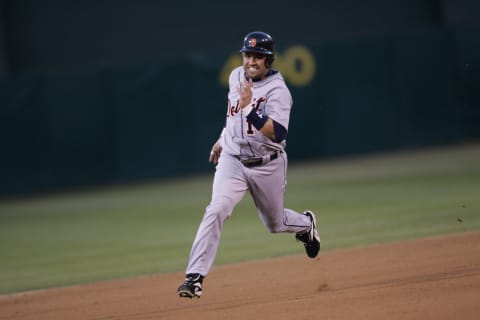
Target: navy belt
{"x": 256, "y": 161}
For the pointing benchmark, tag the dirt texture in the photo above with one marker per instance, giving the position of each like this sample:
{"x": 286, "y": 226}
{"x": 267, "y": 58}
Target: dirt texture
{"x": 433, "y": 278}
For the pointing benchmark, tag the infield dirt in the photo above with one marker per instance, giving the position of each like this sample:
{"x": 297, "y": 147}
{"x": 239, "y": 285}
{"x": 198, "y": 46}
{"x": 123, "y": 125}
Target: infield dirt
{"x": 433, "y": 278}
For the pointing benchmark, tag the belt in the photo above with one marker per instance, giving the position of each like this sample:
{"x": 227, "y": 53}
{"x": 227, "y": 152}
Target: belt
{"x": 256, "y": 161}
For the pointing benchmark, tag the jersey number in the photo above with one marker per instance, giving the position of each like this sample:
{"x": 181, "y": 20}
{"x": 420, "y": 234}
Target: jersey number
{"x": 257, "y": 103}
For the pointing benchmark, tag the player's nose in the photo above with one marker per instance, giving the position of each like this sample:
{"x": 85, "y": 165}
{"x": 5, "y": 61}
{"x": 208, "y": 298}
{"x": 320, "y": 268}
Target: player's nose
{"x": 251, "y": 60}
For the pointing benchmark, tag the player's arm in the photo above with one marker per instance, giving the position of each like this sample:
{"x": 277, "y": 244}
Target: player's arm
{"x": 216, "y": 149}
{"x": 266, "y": 125}
{"x": 273, "y": 130}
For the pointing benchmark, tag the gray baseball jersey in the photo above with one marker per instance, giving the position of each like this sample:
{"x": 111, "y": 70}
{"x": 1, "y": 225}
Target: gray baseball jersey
{"x": 266, "y": 182}
{"x": 271, "y": 97}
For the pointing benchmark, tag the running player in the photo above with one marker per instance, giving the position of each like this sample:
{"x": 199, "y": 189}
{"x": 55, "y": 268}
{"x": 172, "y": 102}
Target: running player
{"x": 250, "y": 155}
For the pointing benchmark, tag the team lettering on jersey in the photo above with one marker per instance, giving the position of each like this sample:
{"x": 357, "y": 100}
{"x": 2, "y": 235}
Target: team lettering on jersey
{"x": 257, "y": 104}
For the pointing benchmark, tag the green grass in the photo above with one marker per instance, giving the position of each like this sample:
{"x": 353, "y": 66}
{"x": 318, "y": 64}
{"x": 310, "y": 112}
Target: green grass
{"x": 103, "y": 234}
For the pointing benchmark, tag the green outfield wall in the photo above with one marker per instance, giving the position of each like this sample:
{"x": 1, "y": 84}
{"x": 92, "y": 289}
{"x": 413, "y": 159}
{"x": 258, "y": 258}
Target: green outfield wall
{"x": 123, "y": 124}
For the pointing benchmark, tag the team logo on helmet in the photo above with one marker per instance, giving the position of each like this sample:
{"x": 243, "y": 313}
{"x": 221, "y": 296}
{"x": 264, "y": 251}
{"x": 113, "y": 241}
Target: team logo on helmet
{"x": 252, "y": 42}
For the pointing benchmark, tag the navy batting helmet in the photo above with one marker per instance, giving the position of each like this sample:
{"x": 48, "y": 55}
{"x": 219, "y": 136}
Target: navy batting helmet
{"x": 259, "y": 42}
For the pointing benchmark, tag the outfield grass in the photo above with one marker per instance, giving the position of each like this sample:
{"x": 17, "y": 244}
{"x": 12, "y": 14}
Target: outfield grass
{"x": 96, "y": 235}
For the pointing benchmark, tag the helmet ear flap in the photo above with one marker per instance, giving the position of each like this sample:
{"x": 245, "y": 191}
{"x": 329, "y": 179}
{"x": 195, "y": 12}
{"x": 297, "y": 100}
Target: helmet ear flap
{"x": 269, "y": 61}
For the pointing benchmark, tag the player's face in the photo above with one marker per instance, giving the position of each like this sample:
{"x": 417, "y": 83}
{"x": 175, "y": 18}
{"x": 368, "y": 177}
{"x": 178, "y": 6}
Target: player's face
{"x": 254, "y": 65}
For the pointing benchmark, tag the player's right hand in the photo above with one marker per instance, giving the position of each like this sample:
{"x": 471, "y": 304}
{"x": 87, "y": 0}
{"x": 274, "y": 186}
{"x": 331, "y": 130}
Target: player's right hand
{"x": 245, "y": 91}
{"x": 215, "y": 153}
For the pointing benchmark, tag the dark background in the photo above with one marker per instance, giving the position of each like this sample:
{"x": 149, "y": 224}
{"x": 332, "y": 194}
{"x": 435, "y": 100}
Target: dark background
{"x": 108, "y": 92}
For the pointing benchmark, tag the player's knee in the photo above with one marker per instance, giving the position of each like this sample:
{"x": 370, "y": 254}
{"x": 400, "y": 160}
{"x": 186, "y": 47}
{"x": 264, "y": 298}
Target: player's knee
{"x": 220, "y": 211}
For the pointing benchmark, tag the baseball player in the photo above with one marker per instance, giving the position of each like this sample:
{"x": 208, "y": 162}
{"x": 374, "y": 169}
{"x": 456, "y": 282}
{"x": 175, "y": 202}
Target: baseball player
{"x": 250, "y": 155}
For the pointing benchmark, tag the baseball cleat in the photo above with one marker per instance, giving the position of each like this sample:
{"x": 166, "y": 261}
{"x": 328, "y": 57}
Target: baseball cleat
{"x": 192, "y": 287}
{"x": 311, "y": 238}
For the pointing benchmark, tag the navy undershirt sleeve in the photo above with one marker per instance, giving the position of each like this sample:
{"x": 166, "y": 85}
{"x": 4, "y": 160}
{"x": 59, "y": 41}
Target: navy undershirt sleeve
{"x": 280, "y": 132}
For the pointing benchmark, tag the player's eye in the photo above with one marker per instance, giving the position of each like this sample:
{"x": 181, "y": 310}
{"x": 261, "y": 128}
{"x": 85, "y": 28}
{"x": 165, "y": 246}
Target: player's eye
{"x": 257, "y": 56}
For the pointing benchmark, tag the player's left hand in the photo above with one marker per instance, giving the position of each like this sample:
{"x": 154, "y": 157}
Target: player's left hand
{"x": 215, "y": 153}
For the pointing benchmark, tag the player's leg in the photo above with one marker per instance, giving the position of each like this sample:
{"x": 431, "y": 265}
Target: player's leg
{"x": 229, "y": 186}
{"x": 267, "y": 186}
